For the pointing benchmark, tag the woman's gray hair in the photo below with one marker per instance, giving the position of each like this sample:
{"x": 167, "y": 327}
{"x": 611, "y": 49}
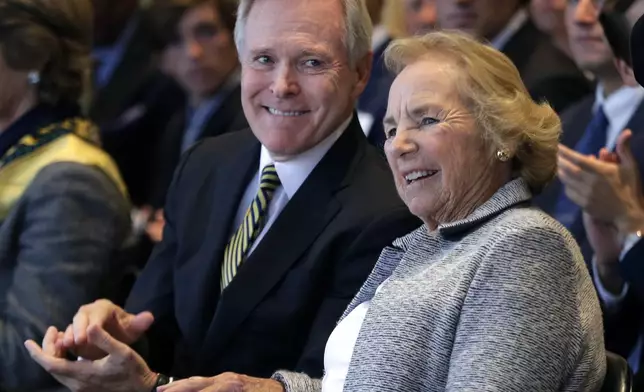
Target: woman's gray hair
{"x": 358, "y": 27}
{"x": 53, "y": 38}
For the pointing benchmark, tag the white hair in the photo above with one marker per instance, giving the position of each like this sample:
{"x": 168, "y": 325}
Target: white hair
{"x": 357, "y": 24}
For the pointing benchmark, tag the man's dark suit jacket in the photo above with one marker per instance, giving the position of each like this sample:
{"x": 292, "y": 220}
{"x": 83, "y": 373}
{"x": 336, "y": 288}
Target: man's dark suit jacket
{"x": 624, "y": 326}
{"x": 227, "y": 118}
{"x": 288, "y": 295}
{"x": 375, "y": 97}
{"x": 546, "y": 71}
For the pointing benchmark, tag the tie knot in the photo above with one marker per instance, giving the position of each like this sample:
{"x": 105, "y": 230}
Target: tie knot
{"x": 269, "y": 179}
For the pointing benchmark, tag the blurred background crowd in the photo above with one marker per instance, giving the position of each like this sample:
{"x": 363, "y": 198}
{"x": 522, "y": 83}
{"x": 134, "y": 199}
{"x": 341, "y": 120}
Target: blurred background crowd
{"x": 100, "y": 100}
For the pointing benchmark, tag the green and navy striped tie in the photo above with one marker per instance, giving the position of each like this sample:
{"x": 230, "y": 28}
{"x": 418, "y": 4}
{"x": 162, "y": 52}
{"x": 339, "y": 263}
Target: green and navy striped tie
{"x": 252, "y": 225}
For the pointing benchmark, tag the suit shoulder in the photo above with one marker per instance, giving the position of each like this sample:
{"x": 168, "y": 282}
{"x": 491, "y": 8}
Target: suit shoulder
{"x": 220, "y": 147}
{"x": 66, "y": 176}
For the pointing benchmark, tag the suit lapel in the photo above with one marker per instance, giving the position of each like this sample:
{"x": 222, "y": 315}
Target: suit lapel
{"x": 636, "y": 121}
{"x": 519, "y": 47}
{"x": 297, "y": 227}
{"x": 224, "y": 117}
{"x": 202, "y": 268}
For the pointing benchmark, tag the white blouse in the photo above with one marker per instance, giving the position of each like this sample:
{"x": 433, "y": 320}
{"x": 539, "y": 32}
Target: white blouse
{"x": 339, "y": 347}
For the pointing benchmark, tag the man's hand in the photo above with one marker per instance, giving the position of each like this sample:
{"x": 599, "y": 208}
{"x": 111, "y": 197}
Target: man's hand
{"x": 122, "y": 326}
{"x": 607, "y": 245}
{"x": 606, "y": 190}
{"x": 121, "y": 370}
{"x": 226, "y": 382}
{"x": 155, "y": 227}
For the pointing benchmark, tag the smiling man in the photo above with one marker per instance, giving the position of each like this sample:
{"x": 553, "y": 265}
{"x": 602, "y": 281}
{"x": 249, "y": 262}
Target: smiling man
{"x": 269, "y": 232}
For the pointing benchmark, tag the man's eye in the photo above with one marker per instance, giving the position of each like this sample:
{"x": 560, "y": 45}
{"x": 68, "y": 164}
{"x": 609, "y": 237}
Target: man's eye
{"x": 263, "y": 59}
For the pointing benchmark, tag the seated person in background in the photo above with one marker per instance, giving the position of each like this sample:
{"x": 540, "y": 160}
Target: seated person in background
{"x": 548, "y": 73}
{"x": 549, "y": 17}
{"x": 420, "y": 16}
{"x": 133, "y": 100}
{"x": 372, "y": 104}
{"x": 198, "y": 37}
{"x": 610, "y": 191}
{"x": 63, "y": 205}
{"x": 269, "y": 234}
{"x": 490, "y": 293}
{"x": 596, "y": 121}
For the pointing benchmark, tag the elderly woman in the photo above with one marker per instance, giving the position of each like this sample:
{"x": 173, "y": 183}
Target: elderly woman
{"x": 63, "y": 210}
{"x": 490, "y": 294}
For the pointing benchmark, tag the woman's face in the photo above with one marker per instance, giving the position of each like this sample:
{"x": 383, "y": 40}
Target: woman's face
{"x": 440, "y": 162}
{"x": 13, "y": 88}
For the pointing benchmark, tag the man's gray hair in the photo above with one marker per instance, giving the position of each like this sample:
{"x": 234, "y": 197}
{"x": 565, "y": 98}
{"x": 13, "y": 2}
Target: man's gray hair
{"x": 357, "y": 24}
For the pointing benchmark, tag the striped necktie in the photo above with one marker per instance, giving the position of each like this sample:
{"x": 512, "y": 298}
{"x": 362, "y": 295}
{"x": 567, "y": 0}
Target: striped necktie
{"x": 251, "y": 226}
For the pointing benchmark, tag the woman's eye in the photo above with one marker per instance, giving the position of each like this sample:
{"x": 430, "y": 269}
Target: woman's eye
{"x": 428, "y": 121}
{"x": 391, "y": 132}
{"x": 313, "y": 63}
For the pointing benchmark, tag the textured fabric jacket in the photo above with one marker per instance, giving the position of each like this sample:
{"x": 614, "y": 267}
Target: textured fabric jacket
{"x": 500, "y": 301}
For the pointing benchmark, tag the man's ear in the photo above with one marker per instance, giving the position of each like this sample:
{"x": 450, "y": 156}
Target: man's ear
{"x": 363, "y": 71}
{"x": 626, "y": 73}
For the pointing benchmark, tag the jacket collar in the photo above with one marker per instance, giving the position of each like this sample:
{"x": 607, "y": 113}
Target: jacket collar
{"x": 511, "y": 194}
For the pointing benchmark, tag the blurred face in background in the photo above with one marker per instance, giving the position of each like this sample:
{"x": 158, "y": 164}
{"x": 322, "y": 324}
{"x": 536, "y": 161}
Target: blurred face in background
{"x": 297, "y": 82}
{"x": 588, "y": 45}
{"x": 202, "y": 54}
{"x": 548, "y": 15}
{"x": 420, "y": 16}
{"x": 480, "y": 18}
{"x": 375, "y": 10}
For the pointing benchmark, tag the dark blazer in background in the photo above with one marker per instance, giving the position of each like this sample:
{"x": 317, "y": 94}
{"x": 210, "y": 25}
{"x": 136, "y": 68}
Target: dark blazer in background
{"x": 133, "y": 109}
{"x": 288, "y": 295}
{"x": 228, "y": 117}
{"x": 375, "y": 97}
{"x": 546, "y": 71}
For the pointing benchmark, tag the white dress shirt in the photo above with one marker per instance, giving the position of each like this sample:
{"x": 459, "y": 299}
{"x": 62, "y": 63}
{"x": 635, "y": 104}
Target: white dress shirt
{"x": 516, "y": 22}
{"x": 378, "y": 38}
{"x": 339, "y": 347}
{"x": 292, "y": 174}
{"x": 619, "y": 107}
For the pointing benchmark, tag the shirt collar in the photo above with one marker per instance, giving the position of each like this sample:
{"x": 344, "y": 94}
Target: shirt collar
{"x": 618, "y": 101}
{"x": 516, "y": 22}
{"x": 618, "y": 107}
{"x": 294, "y": 172}
{"x": 379, "y": 37}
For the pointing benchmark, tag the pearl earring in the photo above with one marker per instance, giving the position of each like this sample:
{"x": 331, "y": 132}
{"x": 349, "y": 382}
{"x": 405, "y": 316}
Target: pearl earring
{"x": 502, "y": 155}
{"x": 33, "y": 77}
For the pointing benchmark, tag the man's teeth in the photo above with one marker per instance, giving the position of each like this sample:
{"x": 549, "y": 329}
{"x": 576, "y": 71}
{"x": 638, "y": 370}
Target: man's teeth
{"x": 418, "y": 174}
{"x": 288, "y": 114}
